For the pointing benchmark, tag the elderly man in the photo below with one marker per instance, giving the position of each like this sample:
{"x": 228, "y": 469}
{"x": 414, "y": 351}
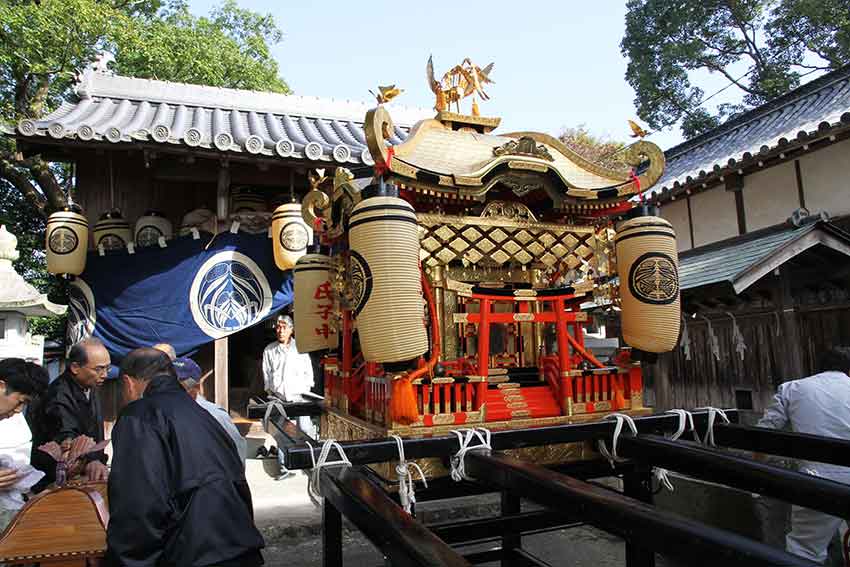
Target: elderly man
{"x": 20, "y": 383}
{"x": 189, "y": 374}
{"x": 177, "y": 492}
{"x": 819, "y": 405}
{"x": 71, "y": 408}
{"x": 288, "y": 374}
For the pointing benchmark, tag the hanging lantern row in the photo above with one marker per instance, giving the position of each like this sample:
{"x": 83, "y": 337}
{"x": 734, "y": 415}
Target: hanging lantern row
{"x": 68, "y": 235}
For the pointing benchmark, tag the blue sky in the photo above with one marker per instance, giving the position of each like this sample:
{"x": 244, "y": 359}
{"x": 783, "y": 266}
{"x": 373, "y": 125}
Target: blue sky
{"x": 558, "y": 63}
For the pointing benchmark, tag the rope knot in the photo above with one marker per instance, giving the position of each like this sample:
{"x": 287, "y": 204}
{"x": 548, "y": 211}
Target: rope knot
{"x": 618, "y": 429}
{"x": 314, "y": 480}
{"x": 465, "y": 437}
{"x": 406, "y": 487}
{"x": 712, "y": 416}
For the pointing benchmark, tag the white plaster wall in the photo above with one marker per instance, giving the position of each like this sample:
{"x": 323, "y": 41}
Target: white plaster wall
{"x": 676, "y": 212}
{"x": 713, "y": 214}
{"x": 826, "y": 179}
{"x": 770, "y": 196}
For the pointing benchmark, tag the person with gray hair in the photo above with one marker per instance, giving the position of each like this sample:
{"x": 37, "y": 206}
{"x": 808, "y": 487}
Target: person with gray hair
{"x": 177, "y": 492}
{"x": 72, "y": 408}
{"x": 819, "y": 405}
{"x": 288, "y": 374}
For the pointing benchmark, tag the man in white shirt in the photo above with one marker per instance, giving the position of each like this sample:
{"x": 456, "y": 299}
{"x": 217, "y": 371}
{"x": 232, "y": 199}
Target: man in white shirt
{"x": 20, "y": 383}
{"x": 287, "y": 373}
{"x": 819, "y": 405}
{"x": 189, "y": 374}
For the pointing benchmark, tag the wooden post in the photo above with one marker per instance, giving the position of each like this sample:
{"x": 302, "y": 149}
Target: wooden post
{"x": 221, "y": 378}
{"x": 792, "y": 345}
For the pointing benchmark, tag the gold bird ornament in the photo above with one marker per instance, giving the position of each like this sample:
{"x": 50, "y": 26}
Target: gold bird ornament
{"x": 637, "y": 131}
{"x": 386, "y": 94}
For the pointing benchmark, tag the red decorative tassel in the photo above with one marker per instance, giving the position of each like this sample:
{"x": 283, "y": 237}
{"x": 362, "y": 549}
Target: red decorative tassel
{"x": 403, "y": 406}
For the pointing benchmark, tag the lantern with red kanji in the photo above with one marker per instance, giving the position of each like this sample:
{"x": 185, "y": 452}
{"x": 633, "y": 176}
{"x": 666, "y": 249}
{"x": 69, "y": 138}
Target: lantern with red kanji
{"x": 314, "y": 303}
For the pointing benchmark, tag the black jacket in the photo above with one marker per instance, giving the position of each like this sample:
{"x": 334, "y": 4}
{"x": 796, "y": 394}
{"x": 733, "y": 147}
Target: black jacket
{"x": 177, "y": 489}
{"x": 64, "y": 412}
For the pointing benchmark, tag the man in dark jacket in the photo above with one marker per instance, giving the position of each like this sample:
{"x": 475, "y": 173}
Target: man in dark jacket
{"x": 177, "y": 491}
{"x": 72, "y": 408}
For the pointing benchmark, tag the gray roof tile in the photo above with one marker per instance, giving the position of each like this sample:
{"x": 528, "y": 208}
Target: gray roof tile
{"x": 124, "y": 109}
{"x": 725, "y": 261}
{"x": 823, "y": 103}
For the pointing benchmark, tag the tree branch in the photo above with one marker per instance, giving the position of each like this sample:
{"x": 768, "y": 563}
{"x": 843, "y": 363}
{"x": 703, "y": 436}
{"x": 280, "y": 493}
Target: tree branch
{"x": 19, "y": 180}
{"x": 47, "y": 181}
{"x": 726, "y": 74}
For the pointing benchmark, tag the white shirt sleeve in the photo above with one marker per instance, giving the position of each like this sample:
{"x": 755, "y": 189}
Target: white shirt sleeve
{"x": 268, "y": 370}
{"x": 776, "y": 416}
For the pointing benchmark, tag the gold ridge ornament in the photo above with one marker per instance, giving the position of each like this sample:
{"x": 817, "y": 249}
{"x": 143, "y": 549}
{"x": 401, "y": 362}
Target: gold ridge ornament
{"x": 67, "y": 238}
{"x": 385, "y": 278}
{"x": 314, "y": 303}
{"x": 290, "y": 234}
{"x": 648, "y": 267}
{"x": 112, "y": 231}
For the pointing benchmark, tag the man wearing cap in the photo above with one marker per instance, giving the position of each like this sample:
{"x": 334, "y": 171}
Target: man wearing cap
{"x": 287, "y": 373}
{"x": 189, "y": 374}
{"x": 177, "y": 491}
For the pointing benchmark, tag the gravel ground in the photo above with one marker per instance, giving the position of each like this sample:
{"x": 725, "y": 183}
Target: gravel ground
{"x": 576, "y": 547}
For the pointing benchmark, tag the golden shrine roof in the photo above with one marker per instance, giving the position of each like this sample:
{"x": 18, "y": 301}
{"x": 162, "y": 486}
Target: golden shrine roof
{"x": 450, "y": 156}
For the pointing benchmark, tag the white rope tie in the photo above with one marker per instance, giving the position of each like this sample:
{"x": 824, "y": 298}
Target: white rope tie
{"x": 686, "y": 419}
{"x": 271, "y": 405}
{"x": 406, "y": 489}
{"x": 712, "y": 415}
{"x": 313, "y": 481}
{"x": 458, "y": 467}
{"x": 603, "y": 449}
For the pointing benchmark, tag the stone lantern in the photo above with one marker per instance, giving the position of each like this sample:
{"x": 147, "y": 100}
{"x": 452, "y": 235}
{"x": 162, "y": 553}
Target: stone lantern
{"x": 19, "y": 300}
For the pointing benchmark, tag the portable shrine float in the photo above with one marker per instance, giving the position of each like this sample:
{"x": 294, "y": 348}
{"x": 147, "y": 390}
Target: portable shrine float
{"x": 452, "y": 291}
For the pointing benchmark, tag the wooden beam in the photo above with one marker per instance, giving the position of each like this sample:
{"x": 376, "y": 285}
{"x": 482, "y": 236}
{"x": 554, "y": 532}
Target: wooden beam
{"x": 799, "y": 175}
{"x": 221, "y": 377}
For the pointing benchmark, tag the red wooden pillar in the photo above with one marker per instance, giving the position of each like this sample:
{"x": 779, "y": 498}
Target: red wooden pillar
{"x": 483, "y": 351}
{"x": 563, "y": 356}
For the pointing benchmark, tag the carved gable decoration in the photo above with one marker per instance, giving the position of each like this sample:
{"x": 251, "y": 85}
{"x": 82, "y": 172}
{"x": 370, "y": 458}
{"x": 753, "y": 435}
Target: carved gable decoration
{"x": 525, "y": 146}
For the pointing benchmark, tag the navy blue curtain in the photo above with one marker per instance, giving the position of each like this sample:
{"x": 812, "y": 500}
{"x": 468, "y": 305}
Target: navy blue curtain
{"x": 186, "y": 294}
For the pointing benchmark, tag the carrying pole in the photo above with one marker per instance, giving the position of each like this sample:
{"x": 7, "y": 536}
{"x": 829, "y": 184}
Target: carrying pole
{"x": 651, "y": 528}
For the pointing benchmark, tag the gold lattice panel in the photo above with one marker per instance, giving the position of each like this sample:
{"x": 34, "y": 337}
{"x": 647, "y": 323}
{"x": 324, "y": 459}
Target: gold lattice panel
{"x": 445, "y": 239}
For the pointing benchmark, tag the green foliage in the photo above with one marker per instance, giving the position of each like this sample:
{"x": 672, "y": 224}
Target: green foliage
{"x": 228, "y": 49}
{"x": 595, "y": 148}
{"x": 759, "y": 46}
{"x": 45, "y": 44}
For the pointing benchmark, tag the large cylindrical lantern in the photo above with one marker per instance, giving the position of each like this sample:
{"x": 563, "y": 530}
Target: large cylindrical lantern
{"x": 648, "y": 267}
{"x": 290, "y": 235}
{"x": 384, "y": 275}
{"x": 67, "y": 241}
{"x": 150, "y": 227}
{"x": 314, "y": 303}
{"x": 112, "y": 231}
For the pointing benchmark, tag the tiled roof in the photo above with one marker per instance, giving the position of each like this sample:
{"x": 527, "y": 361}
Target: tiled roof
{"x": 120, "y": 109}
{"x": 729, "y": 260}
{"x": 809, "y": 112}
